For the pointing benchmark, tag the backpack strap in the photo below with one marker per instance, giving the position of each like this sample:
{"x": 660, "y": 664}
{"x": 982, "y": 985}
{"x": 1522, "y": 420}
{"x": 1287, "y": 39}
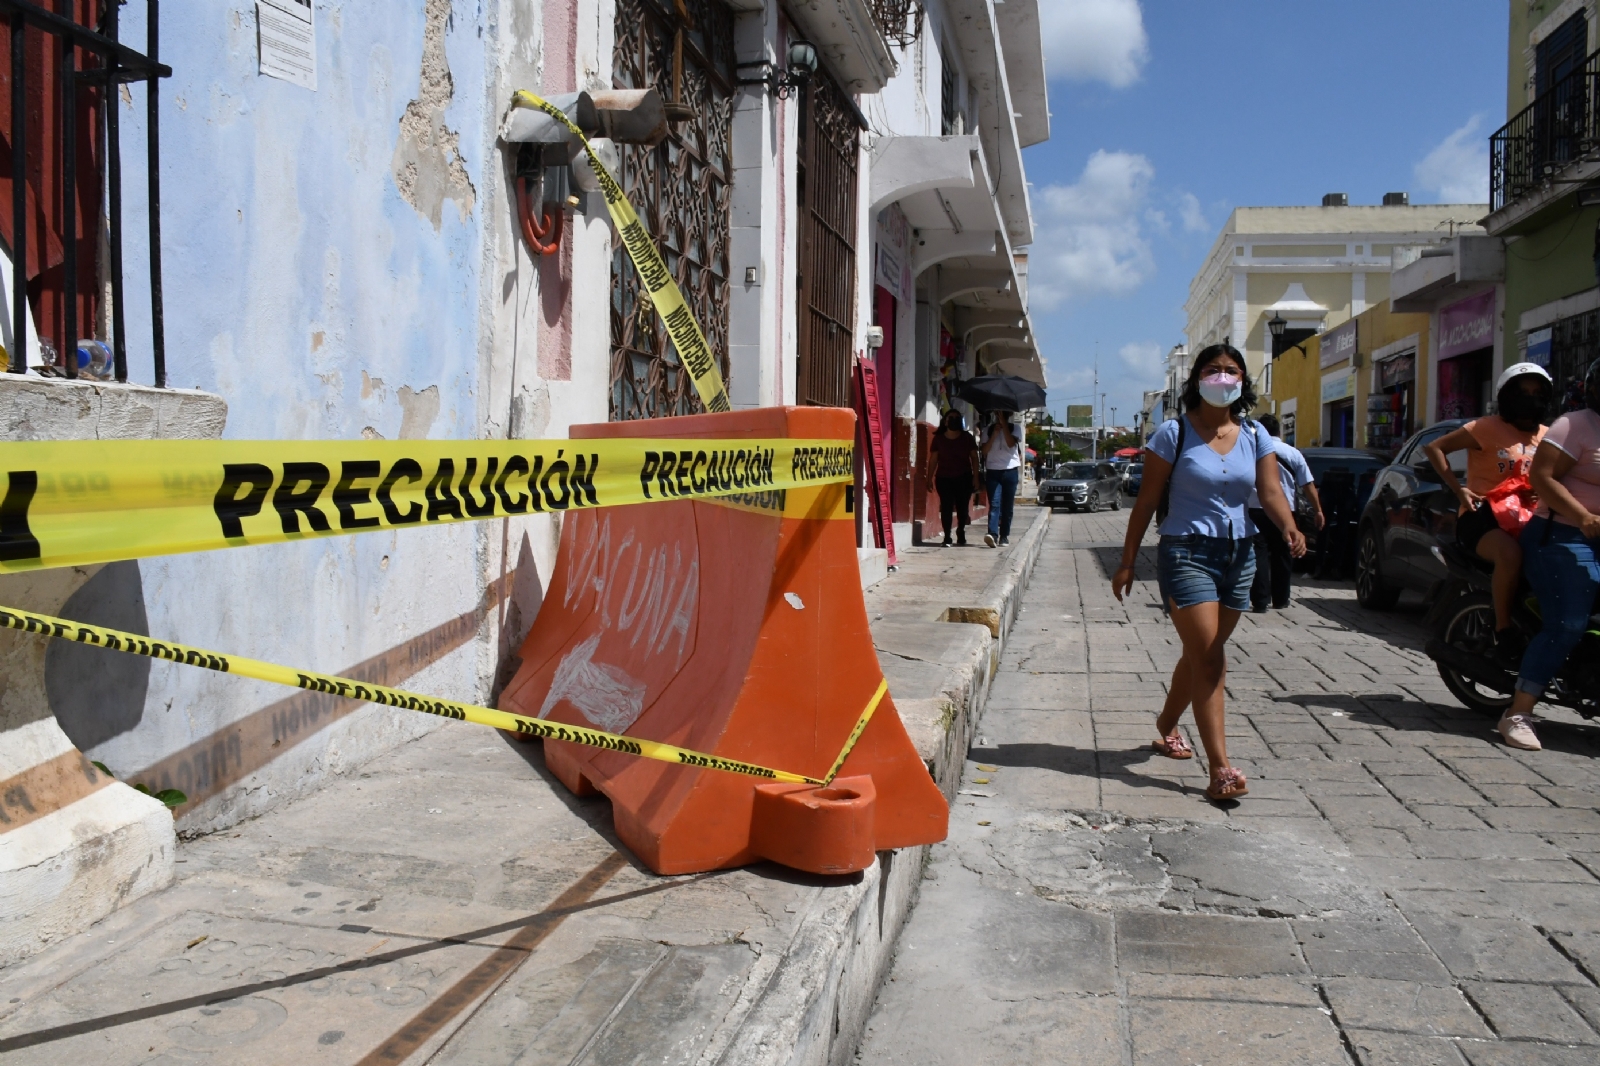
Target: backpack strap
{"x": 1164, "y": 504}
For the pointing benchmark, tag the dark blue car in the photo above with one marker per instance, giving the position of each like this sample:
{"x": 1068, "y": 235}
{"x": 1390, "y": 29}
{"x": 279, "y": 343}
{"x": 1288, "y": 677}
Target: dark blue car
{"x": 1344, "y": 478}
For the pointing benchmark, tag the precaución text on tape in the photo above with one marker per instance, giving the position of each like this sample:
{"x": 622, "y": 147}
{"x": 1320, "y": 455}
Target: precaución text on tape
{"x": 73, "y": 503}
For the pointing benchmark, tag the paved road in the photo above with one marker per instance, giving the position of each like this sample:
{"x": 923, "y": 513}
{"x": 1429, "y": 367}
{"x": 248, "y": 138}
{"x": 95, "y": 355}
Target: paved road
{"x": 1399, "y": 887}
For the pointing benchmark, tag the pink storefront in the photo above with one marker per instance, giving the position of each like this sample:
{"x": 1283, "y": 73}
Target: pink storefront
{"x": 1466, "y": 356}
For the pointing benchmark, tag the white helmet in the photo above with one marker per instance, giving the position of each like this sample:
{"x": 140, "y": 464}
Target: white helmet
{"x": 1516, "y": 370}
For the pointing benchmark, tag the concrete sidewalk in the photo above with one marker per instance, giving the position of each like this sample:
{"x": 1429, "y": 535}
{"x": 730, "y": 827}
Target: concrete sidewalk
{"x": 452, "y": 903}
{"x": 1398, "y": 887}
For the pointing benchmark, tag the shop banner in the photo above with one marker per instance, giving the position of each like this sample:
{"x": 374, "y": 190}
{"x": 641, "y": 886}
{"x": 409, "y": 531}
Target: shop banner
{"x": 1401, "y": 368}
{"x": 893, "y": 260}
{"x": 1539, "y": 346}
{"x": 1338, "y": 386}
{"x": 1338, "y": 344}
{"x": 1467, "y": 326}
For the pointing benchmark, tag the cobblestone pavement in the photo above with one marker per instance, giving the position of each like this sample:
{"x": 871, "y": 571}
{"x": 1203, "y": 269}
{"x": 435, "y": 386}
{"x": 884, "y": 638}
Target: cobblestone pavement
{"x": 1398, "y": 887}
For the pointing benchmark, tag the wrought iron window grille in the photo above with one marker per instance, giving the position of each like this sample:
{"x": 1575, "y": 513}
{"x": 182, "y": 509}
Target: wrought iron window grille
{"x": 1561, "y": 127}
{"x": 900, "y": 21}
{"x": 682, "y": 189}
{"x": 110, "y": 63}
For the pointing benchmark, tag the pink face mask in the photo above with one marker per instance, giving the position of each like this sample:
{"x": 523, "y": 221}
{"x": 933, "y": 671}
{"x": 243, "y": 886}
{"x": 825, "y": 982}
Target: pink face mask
{"x": 1221, "y": 388}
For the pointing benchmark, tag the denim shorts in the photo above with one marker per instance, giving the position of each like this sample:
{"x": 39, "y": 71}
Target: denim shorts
{"x": 1191, "y": 569}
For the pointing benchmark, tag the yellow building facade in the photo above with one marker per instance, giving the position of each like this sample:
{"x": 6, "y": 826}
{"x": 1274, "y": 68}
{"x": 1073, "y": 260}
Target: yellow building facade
{"x": 1362, "y": 384}
{"x": 1315, "y": 267}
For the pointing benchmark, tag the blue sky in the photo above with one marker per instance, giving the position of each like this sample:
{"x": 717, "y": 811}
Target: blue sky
{"x": 1167, "y": 114}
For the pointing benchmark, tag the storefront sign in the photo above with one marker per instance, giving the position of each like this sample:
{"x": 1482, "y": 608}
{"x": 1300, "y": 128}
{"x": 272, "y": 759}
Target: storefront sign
{"x": 1338, "y": 344}
{"x": 1338, "y": 386}
{"x": 1467, "y": 326}
{"x": 1401, "y": 368}
{"x": 1539, "y": 346}
{"x": 893, "y": 258}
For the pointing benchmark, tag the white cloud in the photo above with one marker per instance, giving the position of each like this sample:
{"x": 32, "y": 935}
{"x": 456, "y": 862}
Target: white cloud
{"x": 1094, "y": 40}
{"x": 1194, "y": 219}
{"x": 1143, "y": 358}
{"x": 1089, "y": 240}
{"x": 1457, "y": 170}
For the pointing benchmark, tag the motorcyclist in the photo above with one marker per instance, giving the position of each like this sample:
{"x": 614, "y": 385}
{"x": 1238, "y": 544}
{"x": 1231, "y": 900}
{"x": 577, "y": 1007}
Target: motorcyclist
{"x": 1498, "y": 446}
{"x": 1560, "y": 546}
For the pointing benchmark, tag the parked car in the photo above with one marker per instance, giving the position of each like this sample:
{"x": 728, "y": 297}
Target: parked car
{"x": 1410, "y": 510}
{"x": 1344, "y": 478}
{"x": 1082, "y": 487}
{"x": 1132, "y": 478}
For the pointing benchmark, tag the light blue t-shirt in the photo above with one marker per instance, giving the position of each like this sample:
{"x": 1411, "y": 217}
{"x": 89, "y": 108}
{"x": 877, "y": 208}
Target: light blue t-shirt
{"x": 1210, "y": 493}
{"x": 1293, "y": 472}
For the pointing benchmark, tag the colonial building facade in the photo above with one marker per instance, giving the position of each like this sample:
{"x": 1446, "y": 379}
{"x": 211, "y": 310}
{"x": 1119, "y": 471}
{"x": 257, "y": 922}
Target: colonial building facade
{"x": 339, "y": 234}
{"x": 1314, "y": 268}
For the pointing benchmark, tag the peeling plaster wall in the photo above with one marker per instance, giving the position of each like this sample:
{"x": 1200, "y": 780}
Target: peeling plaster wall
{"x": 341, "y": 264}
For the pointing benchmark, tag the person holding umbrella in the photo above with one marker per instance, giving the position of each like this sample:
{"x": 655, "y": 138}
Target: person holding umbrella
{"x": 1001, "y": 395}
{"x": 1002, "y": 467}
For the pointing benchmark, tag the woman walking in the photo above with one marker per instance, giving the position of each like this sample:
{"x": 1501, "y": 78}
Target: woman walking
{"x": 1200, "y": 469}
{"x": 953, "y": 473}
{"x": 1002, "y": 468}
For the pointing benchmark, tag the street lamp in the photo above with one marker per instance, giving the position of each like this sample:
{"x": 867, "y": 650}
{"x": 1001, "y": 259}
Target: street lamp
{"x": 1276, "y": 325}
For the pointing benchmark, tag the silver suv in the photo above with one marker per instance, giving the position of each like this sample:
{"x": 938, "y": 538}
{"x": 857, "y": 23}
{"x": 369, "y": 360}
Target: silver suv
{"x": 1082, "y": 487}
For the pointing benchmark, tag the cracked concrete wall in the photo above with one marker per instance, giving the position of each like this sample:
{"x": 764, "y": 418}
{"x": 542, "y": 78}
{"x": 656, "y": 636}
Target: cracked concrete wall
{"x": 427, "y": 158}
{"x": 341, "y": 264}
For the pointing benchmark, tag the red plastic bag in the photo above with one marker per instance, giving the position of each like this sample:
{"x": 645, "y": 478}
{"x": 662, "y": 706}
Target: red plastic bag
{"x": 1512, "y": 502}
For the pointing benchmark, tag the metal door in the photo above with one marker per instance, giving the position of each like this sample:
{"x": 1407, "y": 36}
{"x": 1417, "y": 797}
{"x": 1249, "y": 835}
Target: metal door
{"x": 684, "y": 49}
{"x": 826, "y": 187}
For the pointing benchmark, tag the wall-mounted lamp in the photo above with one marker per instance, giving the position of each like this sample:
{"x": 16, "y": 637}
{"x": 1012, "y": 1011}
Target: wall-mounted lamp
{"x": 1276, "y": 325}
{"x": 802, "y": 68}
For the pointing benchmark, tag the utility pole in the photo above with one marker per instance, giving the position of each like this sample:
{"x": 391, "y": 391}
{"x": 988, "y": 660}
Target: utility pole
{"x": 1094, "y": 434}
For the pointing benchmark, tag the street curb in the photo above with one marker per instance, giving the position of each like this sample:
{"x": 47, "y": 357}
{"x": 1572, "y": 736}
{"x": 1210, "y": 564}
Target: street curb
{"x": 810, "y": 1007}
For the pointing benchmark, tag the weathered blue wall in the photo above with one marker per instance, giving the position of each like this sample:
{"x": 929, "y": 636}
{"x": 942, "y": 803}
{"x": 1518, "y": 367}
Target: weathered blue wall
{"x": 305, "y": 288}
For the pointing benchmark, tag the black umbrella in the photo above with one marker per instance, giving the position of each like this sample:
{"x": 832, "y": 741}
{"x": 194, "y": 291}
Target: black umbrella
{"x": 1001, "y": 392}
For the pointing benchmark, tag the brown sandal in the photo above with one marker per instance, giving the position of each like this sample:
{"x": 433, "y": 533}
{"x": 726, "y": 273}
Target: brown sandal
{"x": 1173, "y": 747}
{"x": 1227, "y": 784}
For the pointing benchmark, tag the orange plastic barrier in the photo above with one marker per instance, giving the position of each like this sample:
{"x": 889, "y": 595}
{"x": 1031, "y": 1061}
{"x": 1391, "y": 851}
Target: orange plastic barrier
{"x": 735, "y": 628}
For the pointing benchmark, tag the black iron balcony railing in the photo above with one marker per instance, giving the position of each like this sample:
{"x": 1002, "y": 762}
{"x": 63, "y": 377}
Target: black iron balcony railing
{"x": 65, "y": 69}
{"x": 1560, "y": 127}
{"x": 900, "y": 21}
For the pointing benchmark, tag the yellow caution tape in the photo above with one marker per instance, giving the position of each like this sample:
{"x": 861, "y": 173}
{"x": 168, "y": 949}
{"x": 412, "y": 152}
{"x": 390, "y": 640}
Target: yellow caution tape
{"x": 690, "y": 342}
{"x": 132, "y": 643}
{"x": 855, "y": 734}
{"x": 72, "y": 503}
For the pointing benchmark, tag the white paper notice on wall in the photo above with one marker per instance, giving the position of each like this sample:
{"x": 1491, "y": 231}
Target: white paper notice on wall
{"x": 6, "y": 321}
{"x": 288, "y": 35}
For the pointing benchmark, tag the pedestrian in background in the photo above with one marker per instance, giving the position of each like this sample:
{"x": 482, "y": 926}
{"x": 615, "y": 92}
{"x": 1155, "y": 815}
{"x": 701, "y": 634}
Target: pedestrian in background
{"x": 1200, "y": 470}
{"x": 953, "y": 473}
{"x": 1274, "y": 570}
{"x": 1002, "y": 467}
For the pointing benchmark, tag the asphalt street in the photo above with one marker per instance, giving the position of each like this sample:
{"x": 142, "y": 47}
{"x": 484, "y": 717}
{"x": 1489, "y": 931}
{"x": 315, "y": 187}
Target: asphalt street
{"x": 1398, "y": 887}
